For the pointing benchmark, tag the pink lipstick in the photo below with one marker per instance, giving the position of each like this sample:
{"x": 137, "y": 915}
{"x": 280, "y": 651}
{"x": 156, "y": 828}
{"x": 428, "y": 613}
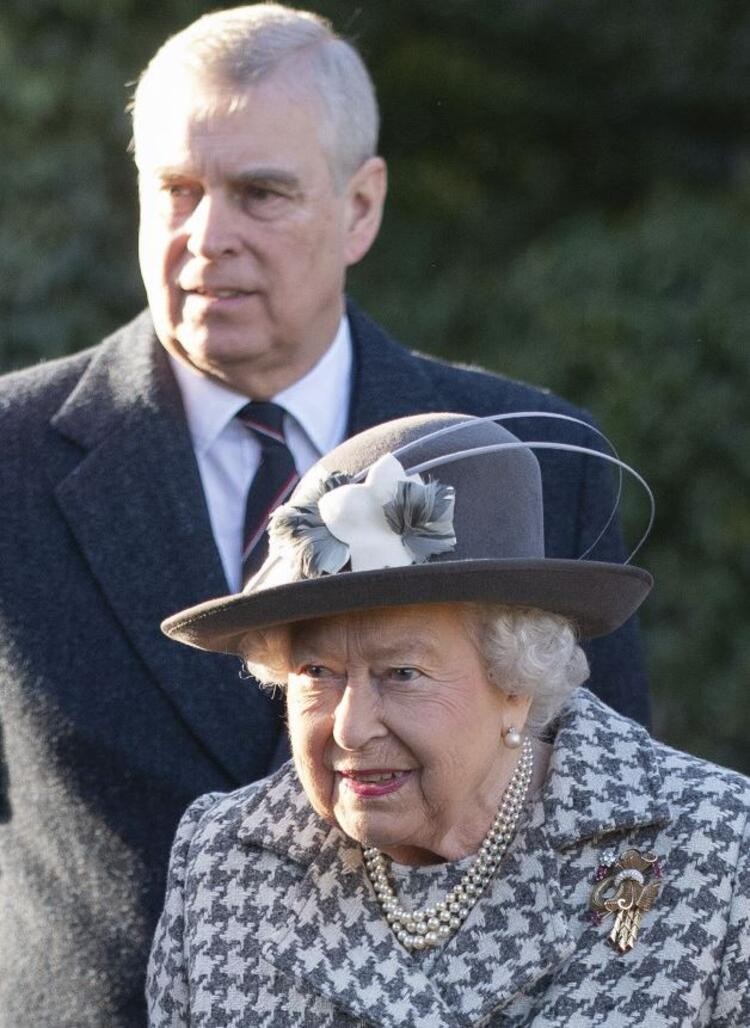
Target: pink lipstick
{"x": 374, "y": 782}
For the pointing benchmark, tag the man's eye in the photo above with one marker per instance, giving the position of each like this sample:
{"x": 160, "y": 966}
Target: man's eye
{"x": 179, "y": 198}
{"x": 258, "y": 194}
{"x": 178, "y": 189}
{"x": 263, "y": 202}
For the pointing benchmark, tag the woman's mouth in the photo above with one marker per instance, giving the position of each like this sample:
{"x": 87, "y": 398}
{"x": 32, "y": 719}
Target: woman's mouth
{"x": 373, "y": 782}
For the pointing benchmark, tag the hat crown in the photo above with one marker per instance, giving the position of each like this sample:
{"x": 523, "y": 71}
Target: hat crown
{"x": 498, "y": 512}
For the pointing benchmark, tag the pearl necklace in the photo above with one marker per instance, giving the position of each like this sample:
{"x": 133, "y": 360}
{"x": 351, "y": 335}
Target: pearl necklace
{"x": 433, "y": 926}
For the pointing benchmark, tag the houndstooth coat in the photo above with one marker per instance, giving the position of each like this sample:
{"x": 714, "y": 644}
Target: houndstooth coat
{"x": 269, "y": 918}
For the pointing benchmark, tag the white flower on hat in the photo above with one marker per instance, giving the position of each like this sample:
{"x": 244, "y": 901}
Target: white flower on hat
{"x": 391, "y": 519}
{"x": 355, "y": 514}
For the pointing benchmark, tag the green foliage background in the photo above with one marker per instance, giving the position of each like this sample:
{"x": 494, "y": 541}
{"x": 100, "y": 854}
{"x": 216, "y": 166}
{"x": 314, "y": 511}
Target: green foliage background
{"x": 570, "y": 203}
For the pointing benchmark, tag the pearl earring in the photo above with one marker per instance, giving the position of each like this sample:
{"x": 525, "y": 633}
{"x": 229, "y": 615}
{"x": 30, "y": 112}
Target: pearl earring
{"x": 512, "y": 738}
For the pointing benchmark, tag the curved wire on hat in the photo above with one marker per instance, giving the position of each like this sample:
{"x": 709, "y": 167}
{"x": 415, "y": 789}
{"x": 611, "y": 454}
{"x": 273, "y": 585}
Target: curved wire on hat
{"x": 519, "y": 415}
{"x": 473, "y": 420}
{"x": 476, "y": 451}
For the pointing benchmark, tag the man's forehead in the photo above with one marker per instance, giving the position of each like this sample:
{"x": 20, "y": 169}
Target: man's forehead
{"x": 176, "y": 110}
{"x": 220, "y": 140}
{"x": 224, "y": 155}
{"x": 184, "y": 111}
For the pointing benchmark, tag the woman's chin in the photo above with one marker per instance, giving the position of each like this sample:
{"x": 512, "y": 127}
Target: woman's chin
{"x": 387, "y": 839}
{"x": 366, "y": 831}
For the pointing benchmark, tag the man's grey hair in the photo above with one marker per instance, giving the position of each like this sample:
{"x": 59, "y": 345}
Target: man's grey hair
{"x": 525, "y": 652}
{"x": 229, "y": 51}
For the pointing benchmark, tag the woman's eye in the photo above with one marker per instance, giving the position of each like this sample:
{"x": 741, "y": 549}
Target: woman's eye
{"x": 315, "y": 671}
{"x": 403, "y": 674}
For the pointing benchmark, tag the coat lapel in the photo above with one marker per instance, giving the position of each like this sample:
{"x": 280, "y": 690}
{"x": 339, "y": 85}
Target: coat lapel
{"x": 334, "y": 939}
{"x": 135, "y": 506}
{"x": 517, "y": 933}
{"x": 605, "y": 777}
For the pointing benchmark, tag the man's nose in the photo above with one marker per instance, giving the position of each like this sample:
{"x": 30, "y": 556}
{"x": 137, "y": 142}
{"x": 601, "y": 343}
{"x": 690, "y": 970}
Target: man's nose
{"x": 357, "y": 719}
{"x": 212, "y": 229}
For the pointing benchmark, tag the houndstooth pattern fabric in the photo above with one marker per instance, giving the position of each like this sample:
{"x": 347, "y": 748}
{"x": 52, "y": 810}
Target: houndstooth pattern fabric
{"x": 269, "y": 919}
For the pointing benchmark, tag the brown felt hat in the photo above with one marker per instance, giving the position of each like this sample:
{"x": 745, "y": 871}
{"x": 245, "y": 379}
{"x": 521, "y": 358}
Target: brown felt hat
{"x": 468, "y": 527}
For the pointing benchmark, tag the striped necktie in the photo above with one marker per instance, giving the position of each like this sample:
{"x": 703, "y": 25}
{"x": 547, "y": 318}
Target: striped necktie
{"x": 273, "y": 482}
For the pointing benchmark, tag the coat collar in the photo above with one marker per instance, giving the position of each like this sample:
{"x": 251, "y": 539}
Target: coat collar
{"x": 134, "y": 503}
{"x": 387, "y": 381}
{"x": 604, "y": 777}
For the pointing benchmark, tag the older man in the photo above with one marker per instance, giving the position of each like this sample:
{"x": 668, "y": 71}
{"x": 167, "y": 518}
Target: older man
{"x": 136, "y": 478}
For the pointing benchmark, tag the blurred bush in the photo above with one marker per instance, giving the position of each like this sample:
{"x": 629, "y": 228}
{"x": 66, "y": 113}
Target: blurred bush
{"x": 570, "y": 200}
{"x": 644, "y": 318}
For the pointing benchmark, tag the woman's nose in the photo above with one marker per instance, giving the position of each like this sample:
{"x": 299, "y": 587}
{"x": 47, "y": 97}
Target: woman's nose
{"x": 357, "y": 719}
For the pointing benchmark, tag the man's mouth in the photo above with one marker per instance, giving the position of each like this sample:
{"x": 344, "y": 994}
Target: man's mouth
{"x": 218, "y": 294}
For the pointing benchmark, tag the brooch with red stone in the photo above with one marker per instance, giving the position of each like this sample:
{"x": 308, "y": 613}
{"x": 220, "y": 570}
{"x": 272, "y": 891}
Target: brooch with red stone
{"x": 627, "y": 888}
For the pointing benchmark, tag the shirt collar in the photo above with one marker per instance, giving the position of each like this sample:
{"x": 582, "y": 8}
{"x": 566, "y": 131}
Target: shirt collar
{"x": 319, "y": 399}
{"x": 209, "y": 405}
{"x": 315, "y": 401}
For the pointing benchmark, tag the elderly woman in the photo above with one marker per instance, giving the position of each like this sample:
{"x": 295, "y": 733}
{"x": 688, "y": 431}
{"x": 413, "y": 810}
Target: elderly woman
{"x": 465, "y": 837}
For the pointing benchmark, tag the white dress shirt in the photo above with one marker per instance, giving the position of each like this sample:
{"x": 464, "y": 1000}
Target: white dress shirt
{"x": 227, "y": 452}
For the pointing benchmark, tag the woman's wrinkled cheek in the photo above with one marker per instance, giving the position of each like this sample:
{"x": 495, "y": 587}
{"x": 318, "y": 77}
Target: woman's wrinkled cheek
{"x": 313, "y": 770}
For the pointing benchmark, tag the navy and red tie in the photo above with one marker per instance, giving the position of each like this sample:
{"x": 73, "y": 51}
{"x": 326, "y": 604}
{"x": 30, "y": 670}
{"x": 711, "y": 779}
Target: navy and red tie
{"x": 273, "y": 482}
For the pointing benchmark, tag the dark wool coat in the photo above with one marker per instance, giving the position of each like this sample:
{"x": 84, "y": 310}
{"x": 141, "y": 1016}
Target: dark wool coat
{"x": 107, "y": 729}
{"x": 270, "y": 919}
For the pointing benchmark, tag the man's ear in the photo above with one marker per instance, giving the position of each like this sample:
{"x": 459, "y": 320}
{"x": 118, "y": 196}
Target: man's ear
{"x": 366, "y": 191}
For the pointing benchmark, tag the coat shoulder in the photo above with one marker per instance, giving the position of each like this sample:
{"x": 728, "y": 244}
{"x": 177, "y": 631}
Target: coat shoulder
{"x": 35, "y": 390}
{"x": 627, "y": 777}
{"x": 620, "y": 734}
{"x": 218, "y": 821}
{"x": 473, "y": 383}
{"x": 32, "y": 395}
{"x": 216, "y": 814}
{"x": 701, "y": 785}
{"x": 463, "y": 387}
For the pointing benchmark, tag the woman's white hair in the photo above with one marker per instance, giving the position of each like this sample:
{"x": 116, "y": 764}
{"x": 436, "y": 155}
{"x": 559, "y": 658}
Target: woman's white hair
{"x": 528, "y": 652}
{"x": 525, "y": 651}
{"x": 234, "y": 49}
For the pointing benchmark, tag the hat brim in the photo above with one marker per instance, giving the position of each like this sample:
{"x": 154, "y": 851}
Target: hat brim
{"x": 596, "y": 596}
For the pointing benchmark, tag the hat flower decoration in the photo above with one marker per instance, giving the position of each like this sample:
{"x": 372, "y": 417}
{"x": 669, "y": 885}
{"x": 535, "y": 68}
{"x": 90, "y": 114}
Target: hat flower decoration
{"x": 391, "y": 519}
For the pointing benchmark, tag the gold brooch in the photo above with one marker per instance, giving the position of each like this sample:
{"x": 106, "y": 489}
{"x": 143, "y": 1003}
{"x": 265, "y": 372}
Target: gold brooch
{"x": 624, "y": 889}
